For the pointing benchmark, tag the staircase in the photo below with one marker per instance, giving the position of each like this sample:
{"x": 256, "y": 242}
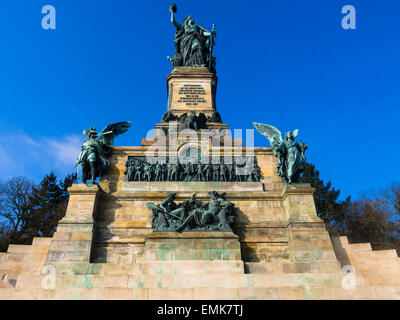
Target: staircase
{"x": 24, "y": 275}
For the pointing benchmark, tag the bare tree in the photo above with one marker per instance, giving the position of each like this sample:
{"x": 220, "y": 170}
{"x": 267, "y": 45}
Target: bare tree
{"x": 375, "y": 218}
{"x": 15, "y": 206}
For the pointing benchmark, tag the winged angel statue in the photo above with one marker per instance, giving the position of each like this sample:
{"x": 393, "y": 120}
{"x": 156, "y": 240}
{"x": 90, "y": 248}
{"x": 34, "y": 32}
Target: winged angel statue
{"x": 290, "y": 154}
{"x": 94, "y": 151}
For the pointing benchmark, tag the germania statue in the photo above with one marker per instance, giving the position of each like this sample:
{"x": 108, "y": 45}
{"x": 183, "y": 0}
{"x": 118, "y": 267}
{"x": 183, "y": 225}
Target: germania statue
{"x": 193, "y": 44}
{"x": 94, "y": 151}
{"x": 290, "y": 154}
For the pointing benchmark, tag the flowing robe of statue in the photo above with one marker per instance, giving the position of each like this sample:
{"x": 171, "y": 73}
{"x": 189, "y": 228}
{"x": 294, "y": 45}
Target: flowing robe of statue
{"x": 290, "y": 154}
{"x": 293, "y": 159}
{"x": 191, "y": 41}
{"x": 193, "y": 44}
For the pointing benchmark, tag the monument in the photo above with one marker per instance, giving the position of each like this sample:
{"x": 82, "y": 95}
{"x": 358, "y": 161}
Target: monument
{"x": 192, "y": 213}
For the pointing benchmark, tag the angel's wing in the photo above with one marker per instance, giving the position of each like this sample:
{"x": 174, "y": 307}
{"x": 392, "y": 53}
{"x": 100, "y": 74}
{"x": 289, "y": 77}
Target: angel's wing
{"x": 295, "y": 133}
{"x": 112, "y": 130}
{"x": 270, "y": 132}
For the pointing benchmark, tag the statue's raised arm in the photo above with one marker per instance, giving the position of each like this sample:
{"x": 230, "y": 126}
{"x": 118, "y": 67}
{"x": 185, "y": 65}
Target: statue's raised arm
{"x": 193, "y": 44}
{"x": 173, "y": 8}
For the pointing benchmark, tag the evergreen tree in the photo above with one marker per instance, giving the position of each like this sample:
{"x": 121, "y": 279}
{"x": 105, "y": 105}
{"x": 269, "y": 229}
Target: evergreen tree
{"x": 49, "y": 201}
{"x": 328, "y": 207}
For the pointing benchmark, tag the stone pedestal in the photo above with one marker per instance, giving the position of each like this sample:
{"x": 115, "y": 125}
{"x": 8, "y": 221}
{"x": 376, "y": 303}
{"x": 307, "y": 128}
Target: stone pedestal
{"x": 309, "y": 242}
{"x": 191, "y": 88}
{"x": 202, "y": 246}
{"x": 192, "y": 253}
{"x": 73, "y": 240}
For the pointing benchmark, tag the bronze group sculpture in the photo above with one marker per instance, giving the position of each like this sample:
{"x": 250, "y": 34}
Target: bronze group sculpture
{"x": 139, "y": 169}
{"x": 192, "y": 120}
{"x": 193, "y": 215}
{"x": 193, "y": 44}
{"x": 94, "y": 151}
{"x": 289, "y": 153}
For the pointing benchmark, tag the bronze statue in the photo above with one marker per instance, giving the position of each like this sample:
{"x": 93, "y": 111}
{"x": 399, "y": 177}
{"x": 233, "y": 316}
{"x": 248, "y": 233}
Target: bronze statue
{"x": 158, "y": 172}
{"x": 193, "y": 44}
{"x": 289, "y": 153}
{"x": 169, "y": 116}
{"x": 94, "y": 151}
{"x": 193, "y": 215}
{"x": 138, "y": 169}
{"x": 200, "y": 173}
{"x": 192, "y": 121}
{"x": 215, "y": 117}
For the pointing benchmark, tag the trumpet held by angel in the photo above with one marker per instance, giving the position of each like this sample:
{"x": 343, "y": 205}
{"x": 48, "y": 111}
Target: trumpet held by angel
{"x": 290, "y": 155}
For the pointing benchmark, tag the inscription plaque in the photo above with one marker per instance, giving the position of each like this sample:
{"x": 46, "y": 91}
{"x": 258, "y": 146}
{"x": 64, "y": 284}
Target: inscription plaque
{"x": 192, "y": 94}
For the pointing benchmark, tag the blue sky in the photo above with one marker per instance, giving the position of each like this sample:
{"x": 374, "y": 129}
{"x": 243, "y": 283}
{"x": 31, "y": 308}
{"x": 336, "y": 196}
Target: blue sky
{"x": 285, "y": 63}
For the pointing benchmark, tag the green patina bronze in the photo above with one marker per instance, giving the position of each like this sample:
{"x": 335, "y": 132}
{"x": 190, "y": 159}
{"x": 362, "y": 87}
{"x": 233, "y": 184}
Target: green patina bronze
{"x": 289, "y": 153}
{"x": 193, "y": 215}
{"x": 193, "y": 44}
{"x": 94, "y": 151}
{"x": 139, "y": 169}
{"x": 191, "y": 120}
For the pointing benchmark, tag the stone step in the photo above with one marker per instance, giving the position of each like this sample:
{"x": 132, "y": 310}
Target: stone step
{"x": 18, "y": 267}
{"x": 215, "y": 293}
{"x": 38, "y": 241}
{"x": 386, "y": 264}
{"x": 384, "y": 279}
{"x": 290, "y": 267}
{"x": 340, "y": 241}
{"x": 192, "y": 254}
{"x": 236, "y": 281}
{"x": 26, "y": 294}
{"x": 372, "y": 258}
{"x": 3, "y": 256}
{"x": 360, "y": 247}
{"x": 386, "y": 254}
{"x": 339, "y": 293}
{"x": 150, "y": 267}
{"x": 26, "y": 258}
{"x": 113, "y": 269}
{"x": 193, "y": 267}
{"x": 6, "y": 283}
{"x": 28, "y": 249}
{"x": 183, "y": 281}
